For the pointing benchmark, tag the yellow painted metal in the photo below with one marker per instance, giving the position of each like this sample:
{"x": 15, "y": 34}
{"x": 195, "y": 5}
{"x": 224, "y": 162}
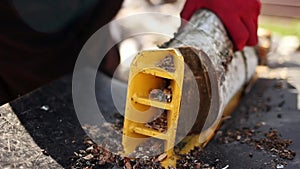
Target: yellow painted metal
{"x": 145, "y": 75}
{"x": 197, "y": 140}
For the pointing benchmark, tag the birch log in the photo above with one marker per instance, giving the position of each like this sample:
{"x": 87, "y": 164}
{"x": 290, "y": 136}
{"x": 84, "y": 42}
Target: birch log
{"x": 219, "y": 71}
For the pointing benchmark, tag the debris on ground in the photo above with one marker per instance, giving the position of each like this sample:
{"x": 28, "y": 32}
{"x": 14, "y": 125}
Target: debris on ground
{"x": 268, "y": 141}
{"x": 150, "y": 154}
{"x": 96, "y": 157}
{"x": 271, "y": 141}
{"x": 45, "y": 107}
{"x": 199, "y": 158}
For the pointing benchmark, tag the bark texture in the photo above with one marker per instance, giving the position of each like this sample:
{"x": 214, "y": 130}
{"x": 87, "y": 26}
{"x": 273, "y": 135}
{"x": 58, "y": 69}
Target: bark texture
{"x": 219, "y": 71}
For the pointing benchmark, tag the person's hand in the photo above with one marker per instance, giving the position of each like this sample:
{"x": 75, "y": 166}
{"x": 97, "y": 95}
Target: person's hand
{"x": 239, "y": 17}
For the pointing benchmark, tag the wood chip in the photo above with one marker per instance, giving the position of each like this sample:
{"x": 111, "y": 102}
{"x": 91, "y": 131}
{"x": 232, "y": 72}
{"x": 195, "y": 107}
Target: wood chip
{"x": 161, "y": 157}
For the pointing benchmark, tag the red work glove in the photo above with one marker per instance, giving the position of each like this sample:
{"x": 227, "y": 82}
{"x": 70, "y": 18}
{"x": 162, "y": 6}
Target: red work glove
{"x": 239, "y": 17}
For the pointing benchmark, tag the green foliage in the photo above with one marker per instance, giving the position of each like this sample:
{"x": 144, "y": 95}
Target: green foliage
{"x": 283, "y": 28}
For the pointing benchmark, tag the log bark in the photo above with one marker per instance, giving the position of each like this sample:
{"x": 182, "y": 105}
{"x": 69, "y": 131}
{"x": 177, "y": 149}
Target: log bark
{"x": 219, "y": 71}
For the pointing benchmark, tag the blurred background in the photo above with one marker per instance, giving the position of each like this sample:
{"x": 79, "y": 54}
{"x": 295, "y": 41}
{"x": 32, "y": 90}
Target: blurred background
{"x": 280, "y": 18}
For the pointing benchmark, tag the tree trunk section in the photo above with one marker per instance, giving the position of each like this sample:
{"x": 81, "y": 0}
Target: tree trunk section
{"x": 219, "y": 71}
